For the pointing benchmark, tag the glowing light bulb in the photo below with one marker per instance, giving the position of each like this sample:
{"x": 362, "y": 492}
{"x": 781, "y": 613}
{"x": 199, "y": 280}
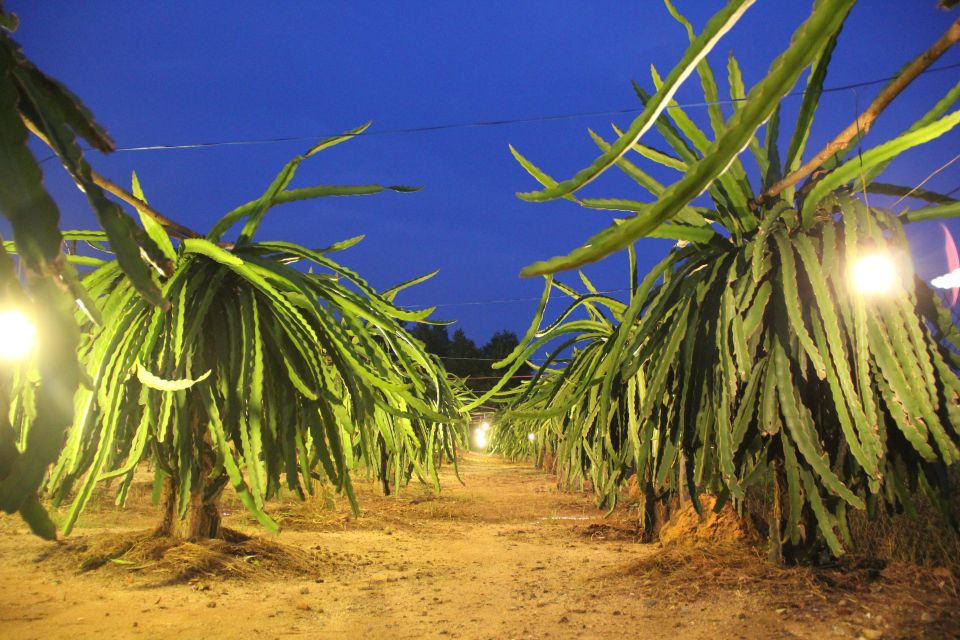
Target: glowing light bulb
{"x": 874, "y": 273}
{"x": 531, "y": 437}
{"x": 480, "y": 438}
{"x": 16, "y": 335}
{"x": 485, "y": 426}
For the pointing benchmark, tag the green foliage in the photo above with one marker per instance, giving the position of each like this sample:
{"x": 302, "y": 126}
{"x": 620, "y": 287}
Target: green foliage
{"x": 746, "y": 361}
{"x": 29, "y": 99}
{"x": 580, "y": 412}
{"x": 359, "y": 390}
{"x": 264, "y": 374}
{"x": 808, "y": 42}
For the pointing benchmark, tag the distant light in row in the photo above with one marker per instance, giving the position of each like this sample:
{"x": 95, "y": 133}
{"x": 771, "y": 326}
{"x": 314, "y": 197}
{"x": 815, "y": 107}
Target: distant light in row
{"x": 480, "y": 439}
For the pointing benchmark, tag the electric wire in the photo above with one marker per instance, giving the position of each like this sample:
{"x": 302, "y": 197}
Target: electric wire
{"x": 927, "y": 179}
{"x": 472, "y": 358}
{"x": 465, "y": 303}
{"x": 527, "y": 120}
{"x": 488, "y": 123}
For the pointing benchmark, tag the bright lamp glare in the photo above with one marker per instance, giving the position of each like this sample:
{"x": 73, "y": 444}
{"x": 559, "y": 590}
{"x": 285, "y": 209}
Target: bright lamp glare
{"x": 948, "y": 280}
{"x": 531, "y": 437}
{"x": 485, "y": 426}
{"x": 874, "y": 274}
{"x": 480, "y": 439}
{"x": 16, "y": 335}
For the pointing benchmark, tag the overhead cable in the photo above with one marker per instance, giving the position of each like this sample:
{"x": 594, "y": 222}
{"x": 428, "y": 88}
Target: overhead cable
{"x": 493, "y": 123}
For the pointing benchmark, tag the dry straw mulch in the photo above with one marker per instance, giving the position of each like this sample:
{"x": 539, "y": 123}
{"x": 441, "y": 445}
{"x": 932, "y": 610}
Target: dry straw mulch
{"x": 701, "y": 557}
{"x": 169, "y": 560}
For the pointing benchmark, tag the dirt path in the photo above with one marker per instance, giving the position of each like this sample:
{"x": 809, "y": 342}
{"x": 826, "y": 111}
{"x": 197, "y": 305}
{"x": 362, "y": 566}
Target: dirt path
{"x": 504, "y": 556}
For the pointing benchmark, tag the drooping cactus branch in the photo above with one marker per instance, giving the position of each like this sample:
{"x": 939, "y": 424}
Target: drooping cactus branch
{"x": 175, "y": 229}
{"x": 862, "y": 124}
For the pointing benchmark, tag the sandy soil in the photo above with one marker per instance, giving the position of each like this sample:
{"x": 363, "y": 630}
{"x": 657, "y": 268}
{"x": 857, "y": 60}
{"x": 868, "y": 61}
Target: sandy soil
{"x": 505, "y": 555}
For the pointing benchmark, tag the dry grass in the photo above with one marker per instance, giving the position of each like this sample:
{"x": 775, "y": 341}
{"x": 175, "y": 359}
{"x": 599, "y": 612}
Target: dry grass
{"x": 619, "y": 531}
{"x": 926, "y": 540}
{"x": 414, "y": 508}
{"x": 170, "y": 560}
{"x": 898, "y": 601}
{"x": 688, "y": 571}
{"x": 705, "y": 558}
{"x": 700, "y": 554}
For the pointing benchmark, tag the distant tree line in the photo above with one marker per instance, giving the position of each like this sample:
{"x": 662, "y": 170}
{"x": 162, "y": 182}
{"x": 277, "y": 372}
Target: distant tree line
{"x": 463, "y": 358}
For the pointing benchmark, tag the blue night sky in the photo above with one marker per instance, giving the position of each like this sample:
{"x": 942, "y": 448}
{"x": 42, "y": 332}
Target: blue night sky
{"x": 158, "y": 73}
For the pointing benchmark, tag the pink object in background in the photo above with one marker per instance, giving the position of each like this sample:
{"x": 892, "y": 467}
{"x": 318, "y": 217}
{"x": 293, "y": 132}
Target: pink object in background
{"x": 953, "y": 260}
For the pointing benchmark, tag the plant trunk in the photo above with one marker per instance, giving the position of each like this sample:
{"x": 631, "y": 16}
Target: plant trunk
{"x": 683, "y": 491}
{"x": 775, "y": 514}
{"x": 201, "y": 520}
{"x": 384, "y": 464}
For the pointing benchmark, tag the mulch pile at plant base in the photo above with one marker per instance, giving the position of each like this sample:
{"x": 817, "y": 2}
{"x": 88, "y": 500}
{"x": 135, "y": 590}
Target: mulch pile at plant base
{"x": 686, "y": 525}
{"x": 170, "y": 560}
{"x": 701, "y": 556}
{"x": 612, "y": 531}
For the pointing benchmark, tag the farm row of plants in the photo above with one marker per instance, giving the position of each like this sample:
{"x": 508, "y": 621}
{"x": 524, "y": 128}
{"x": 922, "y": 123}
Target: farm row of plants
{"x": 747, "y": 362}
{"x": 257, "y": 365}
{"x": 744, "y": 362}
